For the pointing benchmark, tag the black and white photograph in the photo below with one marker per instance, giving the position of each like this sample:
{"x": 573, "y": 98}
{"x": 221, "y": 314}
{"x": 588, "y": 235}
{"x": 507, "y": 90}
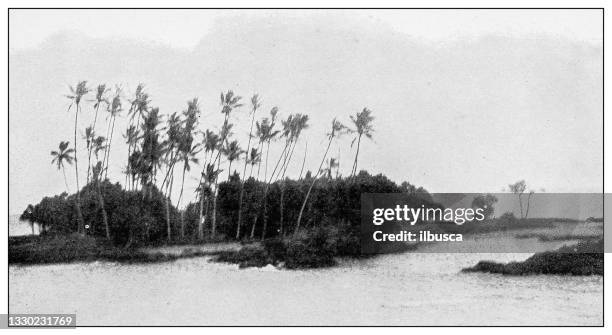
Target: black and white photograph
{"x": 304, "y": 167}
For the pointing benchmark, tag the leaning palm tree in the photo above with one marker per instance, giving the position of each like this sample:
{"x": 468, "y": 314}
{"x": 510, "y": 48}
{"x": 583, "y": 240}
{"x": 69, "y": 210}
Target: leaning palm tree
{"x": 171, "y": 156}
{"x": 210, "y": 143}
{"x": 337, "y": 129}
{"x": 100, "y": 98}
{"x": 266, "y": 133}
{"x": 63, "y": 154}
{"x": 188, "y": 157}
{"x": 229, "y": 102}
{"x": 255, "y": 104}
{"x": 114, "y": 108}
{"x": 363, "y": 126}
{"x": 97, "y": 170}
{"x": 76, "y": 94}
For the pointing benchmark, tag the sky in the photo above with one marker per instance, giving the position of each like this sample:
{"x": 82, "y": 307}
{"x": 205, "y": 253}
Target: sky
{"x": 463, "y": 100}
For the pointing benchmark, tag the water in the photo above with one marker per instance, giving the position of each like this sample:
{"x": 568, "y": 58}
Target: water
{"x": 400, "y": 289}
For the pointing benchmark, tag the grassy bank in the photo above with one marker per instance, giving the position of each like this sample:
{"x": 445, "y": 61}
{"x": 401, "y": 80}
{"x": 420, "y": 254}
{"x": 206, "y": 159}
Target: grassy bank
{"x": 76, "y": 248}
{"x": 585, "y": 258}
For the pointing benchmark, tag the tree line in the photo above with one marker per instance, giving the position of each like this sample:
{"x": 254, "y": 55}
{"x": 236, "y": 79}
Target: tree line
{"x": 163, "y": 149}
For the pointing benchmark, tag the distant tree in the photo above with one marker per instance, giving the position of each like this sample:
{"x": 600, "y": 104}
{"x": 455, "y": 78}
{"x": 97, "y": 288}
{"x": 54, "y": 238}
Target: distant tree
{"x": 486, "y": 202}
{"x": 363, "y": 126}
{"x": 28, "y": 216}
{"x": 519, "y": 189}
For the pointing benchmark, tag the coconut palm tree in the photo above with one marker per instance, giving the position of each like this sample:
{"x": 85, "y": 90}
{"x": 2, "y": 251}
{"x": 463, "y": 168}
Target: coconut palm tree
{"x": 210, "y": 143}
{"x": 229, "y": 102}
{"x": 296, "y": 124}
{"x": 255, "y": 105}
{"x": 139, "y": 106}
{"x": 363, "y": 126}
{"x": 253, "y": 159}
{"x": 100, "y": 98}
{"x": 337, "y": 129}
{"x": 204, "y": 191}
{"x": 114, "y": 109}
{"x": 76, "y": 94}
{"x": 171, "y": 156}
{"x": 188, "y": 157}
{"x": 266, "y": 133}
{"x": 232, "y": 151}
{"x": 131, "y": 137}
{"x": 88, "y": 137}
{"x": 63, "y": 154}
{"x": 98, "y": 145}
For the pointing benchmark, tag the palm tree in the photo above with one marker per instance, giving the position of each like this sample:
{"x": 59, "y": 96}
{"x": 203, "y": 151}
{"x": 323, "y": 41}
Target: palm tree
{"x": 88, "y": 137}
{"x": 337, "y": 129}
{"x": 266, "y": 133}
{"x": 187, "y": 157}
{"x": 114, "y": 109}
{"x": 76, "y": 94}
{"x": 131, "y": 137}
{"x": 100, "y": 92}
{"x": 363, "y": 126}
{"x": 209, "y": 176}
{"x": 232, "y": 151}
{"x": 296, "y": 125}
{"x": 98, "y": 145}
{"x": 173, "y": 135}
{"x": 229, "y": 102}
{"x": 139, "y": 106}
{"x": 211, "y": 143}
{"x": 255, "y": 104}
{"x": 63, "y": 155}
{"x": 253, "y": 159}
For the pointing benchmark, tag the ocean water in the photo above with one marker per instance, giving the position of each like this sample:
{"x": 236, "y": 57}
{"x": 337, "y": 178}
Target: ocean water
{"x": 398, "y": 289}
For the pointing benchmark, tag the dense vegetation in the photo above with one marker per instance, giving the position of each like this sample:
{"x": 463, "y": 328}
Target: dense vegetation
{"x": 586, "y": 258}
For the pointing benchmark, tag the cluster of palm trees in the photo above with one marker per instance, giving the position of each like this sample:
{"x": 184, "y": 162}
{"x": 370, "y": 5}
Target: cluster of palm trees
{"x": 157, "y": 144}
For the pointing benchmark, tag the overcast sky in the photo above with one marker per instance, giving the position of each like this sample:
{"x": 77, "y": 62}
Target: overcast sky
{"x": 465, "y": 101}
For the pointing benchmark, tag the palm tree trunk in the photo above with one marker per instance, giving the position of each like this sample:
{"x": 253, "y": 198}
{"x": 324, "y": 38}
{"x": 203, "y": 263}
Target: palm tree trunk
{"x": 108, "y": 147}
{"x": 89, "y": 144}
{"x": 215, "y": 194}
{"x": 81, "y": 224}
{"x": 179, "y": 201}
{"x": 303, "y": 161}
{"x": 244, "y": 178}
{"x": 354, "y": 169}
{"x": 65, "y": 180}
{"x": 104, "y": 214}
{"x": 314, "y": 180}
{"x": 283, "y": 157}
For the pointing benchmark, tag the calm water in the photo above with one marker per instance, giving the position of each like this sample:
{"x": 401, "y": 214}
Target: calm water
{"x": 403, "y": 289}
